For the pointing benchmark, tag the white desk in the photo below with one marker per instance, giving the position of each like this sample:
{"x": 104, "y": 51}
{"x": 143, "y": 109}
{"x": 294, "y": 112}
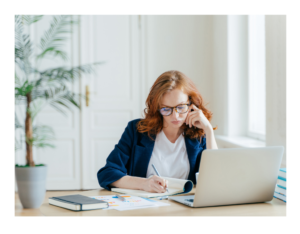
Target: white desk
{"x": 274, "y": 208}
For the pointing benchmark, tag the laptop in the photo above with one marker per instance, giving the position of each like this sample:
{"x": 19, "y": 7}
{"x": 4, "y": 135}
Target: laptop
{"x": 235, "y": 176}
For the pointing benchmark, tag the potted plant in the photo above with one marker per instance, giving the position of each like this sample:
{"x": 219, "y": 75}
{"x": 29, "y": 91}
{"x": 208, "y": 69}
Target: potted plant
{"x": 34, "y": 89}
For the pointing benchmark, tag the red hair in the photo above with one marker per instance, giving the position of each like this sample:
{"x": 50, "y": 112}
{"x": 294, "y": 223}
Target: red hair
{"x": 166, "y": 82}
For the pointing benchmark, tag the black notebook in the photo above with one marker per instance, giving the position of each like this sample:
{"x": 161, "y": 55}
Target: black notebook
{"x": 77, "y": 202}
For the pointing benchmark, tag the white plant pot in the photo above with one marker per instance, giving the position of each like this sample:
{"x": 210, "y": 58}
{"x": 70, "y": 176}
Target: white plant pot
{"x": 31, "y": 182}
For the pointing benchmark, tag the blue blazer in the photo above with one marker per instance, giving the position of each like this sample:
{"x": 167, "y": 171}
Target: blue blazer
{"x": 132, "y": 154}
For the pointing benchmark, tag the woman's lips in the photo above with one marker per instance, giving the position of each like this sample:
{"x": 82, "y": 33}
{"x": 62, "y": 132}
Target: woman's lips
{"x": 176, "y": 122}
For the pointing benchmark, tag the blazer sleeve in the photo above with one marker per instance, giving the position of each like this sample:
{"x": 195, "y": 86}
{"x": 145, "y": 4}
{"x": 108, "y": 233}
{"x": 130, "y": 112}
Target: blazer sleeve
{"x": 115, "y": 167}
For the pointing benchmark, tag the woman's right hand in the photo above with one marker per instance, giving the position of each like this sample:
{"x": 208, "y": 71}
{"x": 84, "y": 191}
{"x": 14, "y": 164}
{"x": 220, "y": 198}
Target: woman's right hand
{"x": 155, "y": 184}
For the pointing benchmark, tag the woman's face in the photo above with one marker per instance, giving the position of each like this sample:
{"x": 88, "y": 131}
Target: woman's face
{"x": 172, "y": 99}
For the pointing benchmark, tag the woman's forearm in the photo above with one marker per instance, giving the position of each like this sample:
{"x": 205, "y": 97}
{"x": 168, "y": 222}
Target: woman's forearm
{"x": 210, "y": 139}
{"x": 152, "y": 184}
{"x": 130, "y": 182}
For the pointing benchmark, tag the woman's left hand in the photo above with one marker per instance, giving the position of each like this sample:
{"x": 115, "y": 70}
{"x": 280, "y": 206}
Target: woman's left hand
{"x": 197, "y": 118}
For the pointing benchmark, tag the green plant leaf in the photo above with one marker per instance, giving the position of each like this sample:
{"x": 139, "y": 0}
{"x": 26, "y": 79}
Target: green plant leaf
{"x": 42, "y": 136}
{"x": 51, "y": 41}
{"x": 47, "y": 87}
{"x": 30, "y": 19}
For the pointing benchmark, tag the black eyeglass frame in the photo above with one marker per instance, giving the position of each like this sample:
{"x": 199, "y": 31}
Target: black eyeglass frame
{"x": 190, "y": 103}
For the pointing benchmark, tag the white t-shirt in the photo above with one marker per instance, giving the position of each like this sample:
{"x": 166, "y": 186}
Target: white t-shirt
{"x": 170, "y": 159}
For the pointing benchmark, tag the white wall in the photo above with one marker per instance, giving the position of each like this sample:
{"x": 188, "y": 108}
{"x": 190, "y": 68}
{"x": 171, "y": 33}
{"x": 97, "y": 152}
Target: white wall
{"x": 181, "y": 43}
{"x": 276, "y": 81}
{"x": 219, "y": 72}
{"x": 230, "y": 75}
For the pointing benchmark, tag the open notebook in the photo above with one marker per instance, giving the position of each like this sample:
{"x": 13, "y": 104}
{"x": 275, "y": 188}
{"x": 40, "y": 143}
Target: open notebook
{"x": 175, "y": 186}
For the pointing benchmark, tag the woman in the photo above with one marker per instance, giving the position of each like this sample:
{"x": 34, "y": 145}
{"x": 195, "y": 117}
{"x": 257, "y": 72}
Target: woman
{"x": 172, "y": 136}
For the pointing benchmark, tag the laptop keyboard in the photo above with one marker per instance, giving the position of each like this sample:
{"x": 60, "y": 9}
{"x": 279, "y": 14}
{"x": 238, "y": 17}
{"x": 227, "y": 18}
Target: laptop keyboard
{"x": 190, "y": 200}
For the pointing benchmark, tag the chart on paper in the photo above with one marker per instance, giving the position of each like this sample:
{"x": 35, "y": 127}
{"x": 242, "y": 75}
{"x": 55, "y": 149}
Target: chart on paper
{"x": 130, "y": 203}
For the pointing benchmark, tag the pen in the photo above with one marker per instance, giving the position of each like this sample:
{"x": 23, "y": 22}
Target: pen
{"x": 157, "y": 173}
{"x": 120, "y": 197}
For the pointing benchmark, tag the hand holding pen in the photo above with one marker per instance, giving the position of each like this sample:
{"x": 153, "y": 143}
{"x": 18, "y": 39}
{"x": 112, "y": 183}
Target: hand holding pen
{"x": 159, "y": 176}
{"x": 154, "y": 184}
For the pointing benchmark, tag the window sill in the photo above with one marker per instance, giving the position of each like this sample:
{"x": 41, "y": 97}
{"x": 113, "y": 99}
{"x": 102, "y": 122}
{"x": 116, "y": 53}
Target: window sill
{"x": 238, "y": 142}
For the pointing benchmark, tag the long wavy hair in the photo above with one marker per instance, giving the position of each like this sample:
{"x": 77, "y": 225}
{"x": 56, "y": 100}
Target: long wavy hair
{"x": 166, "y": 82}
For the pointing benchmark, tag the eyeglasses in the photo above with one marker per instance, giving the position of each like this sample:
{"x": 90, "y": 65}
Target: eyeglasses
{"x": 181, "y": 109}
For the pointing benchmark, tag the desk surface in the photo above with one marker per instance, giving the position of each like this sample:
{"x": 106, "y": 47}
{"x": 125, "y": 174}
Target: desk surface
{"x": 274, "y": 208}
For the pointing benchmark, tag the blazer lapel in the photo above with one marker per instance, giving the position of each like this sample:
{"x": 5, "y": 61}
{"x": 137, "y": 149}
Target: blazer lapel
{"x": 142, "y": 155}
{"x": 193, "y": 148}
{"x": 146, "y": 141}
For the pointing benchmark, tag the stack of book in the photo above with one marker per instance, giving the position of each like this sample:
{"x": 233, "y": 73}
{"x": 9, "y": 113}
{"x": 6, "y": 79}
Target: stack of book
{"x": 280, "y": 189}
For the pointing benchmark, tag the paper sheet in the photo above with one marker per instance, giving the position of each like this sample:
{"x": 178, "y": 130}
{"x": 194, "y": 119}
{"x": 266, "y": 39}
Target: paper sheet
{"x": 175, "y": 186}
{"x": 145, "y": 194}
{"x": 131, "y": 203}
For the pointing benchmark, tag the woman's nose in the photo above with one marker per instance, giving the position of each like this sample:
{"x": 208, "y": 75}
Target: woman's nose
{"x": 175, "y": 114}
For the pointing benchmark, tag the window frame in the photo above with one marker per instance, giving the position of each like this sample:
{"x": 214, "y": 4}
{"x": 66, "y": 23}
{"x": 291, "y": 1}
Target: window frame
{"x": 249, "y": 132}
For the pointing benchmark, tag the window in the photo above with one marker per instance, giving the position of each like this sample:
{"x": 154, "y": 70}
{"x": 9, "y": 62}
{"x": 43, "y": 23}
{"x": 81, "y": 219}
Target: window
{"x": 256, "y": 77}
